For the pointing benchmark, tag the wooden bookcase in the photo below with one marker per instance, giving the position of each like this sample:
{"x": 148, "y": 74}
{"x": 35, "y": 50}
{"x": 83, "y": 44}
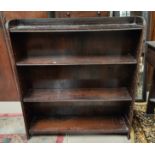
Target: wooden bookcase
{"x": 77, "y": 75}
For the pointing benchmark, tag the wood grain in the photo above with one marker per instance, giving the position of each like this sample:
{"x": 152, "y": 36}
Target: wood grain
{"x": 57, "y": 95}
{"x": 76, "y": 24}
{"x": 76, "y": 60}
{"x": 77, "y": 125}
{"x": 53, "y": 58}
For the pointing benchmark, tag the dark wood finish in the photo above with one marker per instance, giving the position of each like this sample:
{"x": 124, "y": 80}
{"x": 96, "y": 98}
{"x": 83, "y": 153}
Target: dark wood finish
{"x": 150, "y": 58}
{"x": 106, "y": 94}
{"x": 75, "y": 14}
{"x": 85, "y": 67}
{"x": 70, "y": 25}
{"x": 76, "y": 76}
{"x": 76, "y": 60}
{"x": 79, "y": 125}
{"x": 77, "y": 108}
{"x": 72, "y": 44}
{"x": 8, "y": 87}
{"x": 11, "y": 92}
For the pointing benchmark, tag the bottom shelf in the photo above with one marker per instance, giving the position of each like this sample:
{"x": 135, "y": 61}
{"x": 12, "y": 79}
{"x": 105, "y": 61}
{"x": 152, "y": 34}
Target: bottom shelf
{"x": 79, "y": 125}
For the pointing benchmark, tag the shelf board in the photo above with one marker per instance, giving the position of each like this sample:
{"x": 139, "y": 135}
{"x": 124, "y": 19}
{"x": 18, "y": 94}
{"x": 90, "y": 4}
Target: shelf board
{"x": 75, "y": 28}
{"x": 84, "y": 94}
{"x": 76, "y": 60}
{"x": 79, "y": 125}
{"x": 76, "y": 24}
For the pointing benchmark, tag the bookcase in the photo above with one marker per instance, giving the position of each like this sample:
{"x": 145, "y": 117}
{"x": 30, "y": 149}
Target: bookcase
{"x": 77, "y": 75}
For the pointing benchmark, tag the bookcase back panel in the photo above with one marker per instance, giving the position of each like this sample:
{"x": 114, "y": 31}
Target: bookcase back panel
{"x": 62, "y": 77}
{"x": 72, "y": 43}
{"x": 77, "y": 108}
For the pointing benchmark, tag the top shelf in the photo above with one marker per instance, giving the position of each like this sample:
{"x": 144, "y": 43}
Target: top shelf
{"x": 76, "y": 24}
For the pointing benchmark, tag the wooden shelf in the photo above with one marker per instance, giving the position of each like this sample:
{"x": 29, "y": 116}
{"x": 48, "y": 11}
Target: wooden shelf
{"x": 76, "y": 60}
{"x": 76, "y": 24}
{"x": 79, "y": 125}
{"x": 56, "y": 95}
{"x": 75, "y": 28}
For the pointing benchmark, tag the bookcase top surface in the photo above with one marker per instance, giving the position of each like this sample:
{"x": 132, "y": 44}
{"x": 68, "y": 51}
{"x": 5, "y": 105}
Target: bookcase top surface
{"x": 75, "y": 24}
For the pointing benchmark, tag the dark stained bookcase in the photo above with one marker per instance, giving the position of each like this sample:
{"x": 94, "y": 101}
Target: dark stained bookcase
{"x": 77, "y": 75}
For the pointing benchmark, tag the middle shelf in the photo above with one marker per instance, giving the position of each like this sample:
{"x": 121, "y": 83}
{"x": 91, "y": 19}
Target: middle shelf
{"x": 76, "y": 60}
{"x": 83, "y": 94}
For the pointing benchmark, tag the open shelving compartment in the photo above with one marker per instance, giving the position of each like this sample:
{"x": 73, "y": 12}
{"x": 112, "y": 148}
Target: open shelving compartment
{"x": 77, "y": 76}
